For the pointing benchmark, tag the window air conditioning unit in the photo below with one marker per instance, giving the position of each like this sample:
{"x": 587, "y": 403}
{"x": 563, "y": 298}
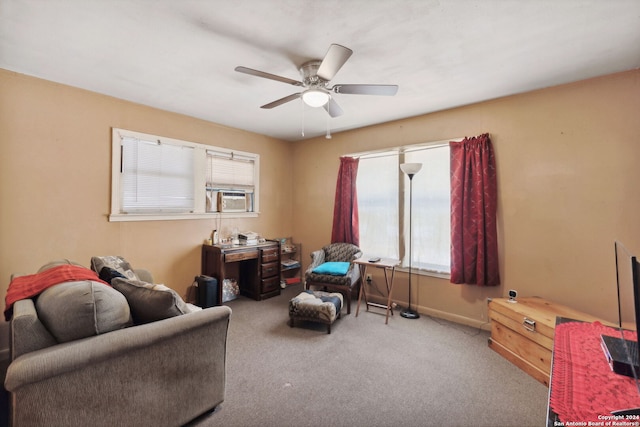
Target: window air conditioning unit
{"x": 232, "y": 201}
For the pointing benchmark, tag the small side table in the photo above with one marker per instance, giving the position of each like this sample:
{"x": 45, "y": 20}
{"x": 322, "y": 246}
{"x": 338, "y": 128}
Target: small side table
{"x": 387, "y": 265}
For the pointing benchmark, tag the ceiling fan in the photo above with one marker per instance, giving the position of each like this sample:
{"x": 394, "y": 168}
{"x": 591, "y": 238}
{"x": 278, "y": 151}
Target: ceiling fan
{"x": 316, "y": 75}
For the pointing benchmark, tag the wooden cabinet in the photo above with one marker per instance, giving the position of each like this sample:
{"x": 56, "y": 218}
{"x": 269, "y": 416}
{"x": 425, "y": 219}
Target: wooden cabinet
{"x": 523, "y": 332}
{"x": 256, "y": 268}
{"x": 291, "y": 266}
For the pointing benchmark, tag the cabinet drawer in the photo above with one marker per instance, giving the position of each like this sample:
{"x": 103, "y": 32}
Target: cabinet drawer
{"x": 270, "y": 269}
{"x": 269, "y": 255}
{"x": 526, "y": 326}
{"x": 240, "y": 256}
{"x": 522, "y": 346}
{"x": 270, "y": 284}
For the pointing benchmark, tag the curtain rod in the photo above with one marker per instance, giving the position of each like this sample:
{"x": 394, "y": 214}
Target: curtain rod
{"x": 403, "y": 149}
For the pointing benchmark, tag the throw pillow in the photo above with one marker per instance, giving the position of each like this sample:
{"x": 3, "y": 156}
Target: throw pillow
{"x": 80, "y": 309}
{"x": 149, "y": 302}
{"x": 117, "y": 263}
{"x": 333, "y": 268}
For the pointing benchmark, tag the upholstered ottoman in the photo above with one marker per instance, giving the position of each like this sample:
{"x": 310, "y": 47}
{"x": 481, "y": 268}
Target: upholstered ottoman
{"x": 315, "y": 306}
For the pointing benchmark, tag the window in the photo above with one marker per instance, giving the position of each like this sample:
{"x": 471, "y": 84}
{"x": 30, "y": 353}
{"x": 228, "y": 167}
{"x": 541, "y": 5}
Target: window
{"x": 156, "y": 177}
{"x": 230, "y": 171}
{"x": 162, "y": 178}
{"x": 383, "y": 206}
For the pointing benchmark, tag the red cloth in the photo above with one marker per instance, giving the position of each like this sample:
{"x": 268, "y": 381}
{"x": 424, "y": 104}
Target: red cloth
{"x": 29, "y": 286}
{"x": 583, "y": 387}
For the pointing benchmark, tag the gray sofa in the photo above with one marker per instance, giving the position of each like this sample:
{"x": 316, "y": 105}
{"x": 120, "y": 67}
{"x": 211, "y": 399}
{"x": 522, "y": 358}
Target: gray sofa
{"x": 162, "y": 373}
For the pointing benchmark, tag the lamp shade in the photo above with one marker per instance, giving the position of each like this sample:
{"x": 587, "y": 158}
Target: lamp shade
{"x": 315, "y": 97}
{"x": 411, "y": 168}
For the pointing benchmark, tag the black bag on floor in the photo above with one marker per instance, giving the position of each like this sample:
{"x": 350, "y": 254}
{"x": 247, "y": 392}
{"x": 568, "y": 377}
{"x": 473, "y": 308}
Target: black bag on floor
{"x": 207, "y": 295}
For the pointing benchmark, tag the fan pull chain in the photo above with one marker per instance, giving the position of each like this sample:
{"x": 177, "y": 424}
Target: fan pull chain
{"x": 328, "y": 135}
{"x": 302, "y": 104}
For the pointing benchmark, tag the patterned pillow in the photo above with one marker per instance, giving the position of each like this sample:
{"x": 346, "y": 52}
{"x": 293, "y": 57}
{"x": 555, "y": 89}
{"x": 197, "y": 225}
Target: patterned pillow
{"x": 117, "y": 263}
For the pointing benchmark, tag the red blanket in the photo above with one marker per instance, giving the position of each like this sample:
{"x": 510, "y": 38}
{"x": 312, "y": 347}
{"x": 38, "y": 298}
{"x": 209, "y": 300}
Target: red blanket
{"x": 584, "y": 389}
{"x": 29, "y": 286}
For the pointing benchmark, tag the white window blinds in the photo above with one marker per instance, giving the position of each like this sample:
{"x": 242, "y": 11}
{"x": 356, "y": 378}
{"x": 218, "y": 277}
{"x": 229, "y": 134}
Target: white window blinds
{"x": 156, "y": 176}
{"x": 230, "y": 171}
{"x": 378, "y": 201}
{"x": 383, "y": 188}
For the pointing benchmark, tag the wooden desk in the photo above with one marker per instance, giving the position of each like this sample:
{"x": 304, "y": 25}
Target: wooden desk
{"x": 256, "y": 268}
{"x": 386, "y": 264}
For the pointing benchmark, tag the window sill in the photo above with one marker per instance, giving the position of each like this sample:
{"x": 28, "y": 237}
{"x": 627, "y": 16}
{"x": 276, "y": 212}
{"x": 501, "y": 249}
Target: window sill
{"x": 183, "y": 216}
{"x": 419, "y": 272}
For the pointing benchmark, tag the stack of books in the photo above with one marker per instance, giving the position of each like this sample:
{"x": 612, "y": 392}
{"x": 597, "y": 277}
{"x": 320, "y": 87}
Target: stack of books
{"x": 248, "y": 238}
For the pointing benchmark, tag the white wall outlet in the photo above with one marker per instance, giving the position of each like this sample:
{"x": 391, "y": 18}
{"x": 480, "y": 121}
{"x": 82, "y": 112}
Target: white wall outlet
{"x": 368, "y": 277}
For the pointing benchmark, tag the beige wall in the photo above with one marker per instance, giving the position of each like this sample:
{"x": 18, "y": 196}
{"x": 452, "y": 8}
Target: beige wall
{"x": 568, "y": 162}
{"x": 55, "y": 179}
{"x": 567, "y": 181}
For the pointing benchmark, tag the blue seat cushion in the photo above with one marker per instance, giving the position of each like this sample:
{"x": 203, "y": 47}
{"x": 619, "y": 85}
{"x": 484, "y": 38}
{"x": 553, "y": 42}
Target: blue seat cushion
{"x": 333, "y": 268}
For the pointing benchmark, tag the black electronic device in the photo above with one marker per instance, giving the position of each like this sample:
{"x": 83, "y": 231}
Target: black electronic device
{"x": 622, "y": 353}
{"x": 374, "y": 259}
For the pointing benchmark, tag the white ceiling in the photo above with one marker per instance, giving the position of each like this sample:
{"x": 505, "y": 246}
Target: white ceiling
{"x": 180, "y": 55}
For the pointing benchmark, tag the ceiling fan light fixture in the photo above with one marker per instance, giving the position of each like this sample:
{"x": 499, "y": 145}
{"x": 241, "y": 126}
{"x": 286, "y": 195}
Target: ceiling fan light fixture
{"x": 315, "y": 97}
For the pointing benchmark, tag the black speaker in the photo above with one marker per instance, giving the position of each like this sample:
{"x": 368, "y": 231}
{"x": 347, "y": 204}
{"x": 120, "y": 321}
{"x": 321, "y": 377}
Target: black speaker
{"x": 207, "y": 291}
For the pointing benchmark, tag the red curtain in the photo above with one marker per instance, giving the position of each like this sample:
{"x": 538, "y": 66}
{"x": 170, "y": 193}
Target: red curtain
{"x": 474, "y": 243}
{"x": 345, "y": 209}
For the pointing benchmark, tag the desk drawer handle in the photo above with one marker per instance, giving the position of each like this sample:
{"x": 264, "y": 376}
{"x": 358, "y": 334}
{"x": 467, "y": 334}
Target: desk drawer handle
{"x": 529, "y": 325}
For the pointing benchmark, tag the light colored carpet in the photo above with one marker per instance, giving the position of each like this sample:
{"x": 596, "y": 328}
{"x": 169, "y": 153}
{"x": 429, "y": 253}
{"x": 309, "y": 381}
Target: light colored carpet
{"x": 424, "y": 372}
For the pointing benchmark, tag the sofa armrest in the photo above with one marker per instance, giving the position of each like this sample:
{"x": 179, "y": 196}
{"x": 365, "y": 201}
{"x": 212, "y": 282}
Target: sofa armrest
{"x": 144, "y": 275}
{"x": 27, "y": 333}
{"x": 126, "y": 377}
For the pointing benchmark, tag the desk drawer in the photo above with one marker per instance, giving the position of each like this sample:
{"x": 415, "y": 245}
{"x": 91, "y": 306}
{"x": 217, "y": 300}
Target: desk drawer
{"x": 269, "y": 255}
{"x": 240, "y": 256}
{"x": 270, "y": 269}
{"x": 270, "y": 284}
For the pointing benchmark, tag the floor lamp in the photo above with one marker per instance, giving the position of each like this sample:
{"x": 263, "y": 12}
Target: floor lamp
{"x": 410, "y": 169}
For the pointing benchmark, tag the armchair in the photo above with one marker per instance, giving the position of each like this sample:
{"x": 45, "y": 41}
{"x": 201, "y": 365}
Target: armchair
{"x": 343, "y": 283}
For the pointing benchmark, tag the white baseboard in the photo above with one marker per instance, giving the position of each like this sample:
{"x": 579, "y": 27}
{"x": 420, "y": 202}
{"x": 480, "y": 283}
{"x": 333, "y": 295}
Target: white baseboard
{"x": 456, "y": 318}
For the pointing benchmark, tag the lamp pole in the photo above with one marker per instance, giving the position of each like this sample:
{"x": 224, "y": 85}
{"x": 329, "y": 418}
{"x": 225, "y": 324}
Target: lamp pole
{"x": 410, "y": 169}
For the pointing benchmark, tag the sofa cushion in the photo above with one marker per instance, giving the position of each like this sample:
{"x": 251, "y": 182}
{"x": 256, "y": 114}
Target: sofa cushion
{"x": 80, "y": 309}
{"x": 150, "y": 302}
{"x": 57, "y": 263}
{"x": 117, "y": 263}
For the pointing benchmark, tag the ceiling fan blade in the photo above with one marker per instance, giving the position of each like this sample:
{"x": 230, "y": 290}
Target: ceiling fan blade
{"x": 385, "y": 90}
{"x": 333, "y": 108}
{"x": 262, "y": 74}
{"x": 282, "y": 101}
{"x": 334, "y": 60}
